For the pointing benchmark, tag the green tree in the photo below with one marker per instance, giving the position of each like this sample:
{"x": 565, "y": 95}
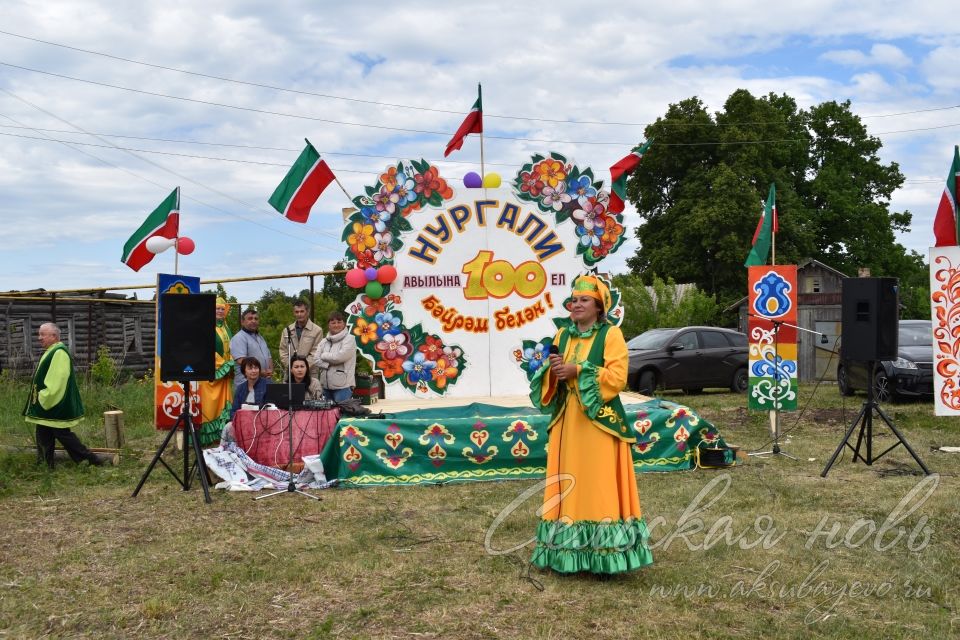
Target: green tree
{"x": 699, "y": 191}
{"x": 662, "y": 304}
{"x": 335, "y": 287}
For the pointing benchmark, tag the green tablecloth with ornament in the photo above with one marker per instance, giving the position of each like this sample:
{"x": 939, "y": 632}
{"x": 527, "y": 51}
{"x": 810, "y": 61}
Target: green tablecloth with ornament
{"x": 488, "y": 442}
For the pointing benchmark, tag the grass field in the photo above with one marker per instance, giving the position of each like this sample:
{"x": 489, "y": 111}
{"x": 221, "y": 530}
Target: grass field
{"x": 768, "y": 549}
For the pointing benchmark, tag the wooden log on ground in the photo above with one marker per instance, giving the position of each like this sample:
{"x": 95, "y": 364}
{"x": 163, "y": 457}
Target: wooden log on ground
{"x": 113, "y": 429}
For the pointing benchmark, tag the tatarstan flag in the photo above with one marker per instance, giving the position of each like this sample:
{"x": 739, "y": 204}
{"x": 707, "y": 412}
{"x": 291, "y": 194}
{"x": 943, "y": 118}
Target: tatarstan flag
{"x": 473, "y": 123}
{"x": 618, "y": 176}
{"x": 766, "y": 227}
{"x": 945, "y": 223}
{"x": 302, "y": 186}
{"x": 163, "y": 222}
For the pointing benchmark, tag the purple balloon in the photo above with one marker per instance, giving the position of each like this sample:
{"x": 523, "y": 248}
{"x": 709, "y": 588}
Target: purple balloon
{"x": 472, "y": 180}
{"x": 371, "y": 273}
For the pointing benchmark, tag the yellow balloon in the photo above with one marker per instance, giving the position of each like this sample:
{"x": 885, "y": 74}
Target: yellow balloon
{"x": 491, "y": 180}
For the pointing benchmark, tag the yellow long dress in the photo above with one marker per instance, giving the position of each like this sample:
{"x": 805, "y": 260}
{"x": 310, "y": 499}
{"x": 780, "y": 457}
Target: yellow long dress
{"x": 591, "y": 517}
{"x": 216, "y": 397}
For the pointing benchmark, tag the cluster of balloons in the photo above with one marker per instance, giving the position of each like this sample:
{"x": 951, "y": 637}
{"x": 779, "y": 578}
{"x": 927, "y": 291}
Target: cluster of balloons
{"x": 473, "y": 181}
{"x": 371, "y": 279}
{"x": 159, "y": 244}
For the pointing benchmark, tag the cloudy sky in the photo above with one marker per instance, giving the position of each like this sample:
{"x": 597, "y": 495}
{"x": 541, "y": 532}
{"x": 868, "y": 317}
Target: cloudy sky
{"x": 217, "y": 97}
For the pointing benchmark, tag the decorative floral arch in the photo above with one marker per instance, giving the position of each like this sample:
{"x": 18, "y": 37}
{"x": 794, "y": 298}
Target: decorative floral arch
{"x": 422, "y": 361}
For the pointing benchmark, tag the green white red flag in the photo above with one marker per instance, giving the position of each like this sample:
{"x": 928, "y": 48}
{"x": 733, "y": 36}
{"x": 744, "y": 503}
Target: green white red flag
{"x": 163, "y": 222}
{"x": 946, "y": 224}
{"x": 302, "y": 186}
{"x": 473, "y": 123}
{"x": 619, "y": 173}
{"x": 766, "y": 227}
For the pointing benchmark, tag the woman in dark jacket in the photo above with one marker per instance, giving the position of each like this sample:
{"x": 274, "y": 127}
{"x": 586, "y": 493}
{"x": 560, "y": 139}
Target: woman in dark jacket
{"x": 253, "y": 389}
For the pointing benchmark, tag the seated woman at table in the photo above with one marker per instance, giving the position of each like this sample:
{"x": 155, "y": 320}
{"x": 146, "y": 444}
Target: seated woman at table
{"x": 300, "y": 371}
{"x": 252, "y": 389}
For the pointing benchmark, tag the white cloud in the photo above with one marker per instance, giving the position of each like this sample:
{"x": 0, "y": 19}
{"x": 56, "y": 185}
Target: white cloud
{"x": 881, "y": 55}
{"x": 598, "y": 62}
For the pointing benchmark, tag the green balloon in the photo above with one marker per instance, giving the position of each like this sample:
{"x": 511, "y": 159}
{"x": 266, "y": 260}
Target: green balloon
{"x": 374, "y": 289}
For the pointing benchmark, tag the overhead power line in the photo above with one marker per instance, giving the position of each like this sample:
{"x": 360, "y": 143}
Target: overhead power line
{"x": 162, "y": 168}
{"x": 408, "y": 106}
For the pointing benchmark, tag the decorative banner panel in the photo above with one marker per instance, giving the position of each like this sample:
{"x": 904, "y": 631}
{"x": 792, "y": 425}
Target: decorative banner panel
{"x": 452, "y": 280}
{"x": 772, "y": 299}
{"x": 168, "y": 396}
{"x": 945, "y": 313}
{"x": 486, "y": 442}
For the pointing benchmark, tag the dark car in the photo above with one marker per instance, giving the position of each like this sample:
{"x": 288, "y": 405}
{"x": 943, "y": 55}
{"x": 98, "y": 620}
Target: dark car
{"x": 911, "y": 374}
{"x": 690, "y": 358}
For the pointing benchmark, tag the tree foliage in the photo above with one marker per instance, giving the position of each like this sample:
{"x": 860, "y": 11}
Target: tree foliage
{"x": 699, "y": 191}
{"x": 662, "y": 304}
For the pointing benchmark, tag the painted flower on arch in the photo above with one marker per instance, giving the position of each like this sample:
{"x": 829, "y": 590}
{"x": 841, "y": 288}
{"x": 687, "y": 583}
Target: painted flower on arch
{"x": 390, "y": 368}
{"x": 386, "y": 202}
{"x": 383, "y": 251}
{"x": 372, "y": 307}
{"x": 550, "y": 172}
{"x": 557, "y": 196}
{"x": 432, "y": 348}
{"x": 535, "y": 356}
{"x": 418, "y": 368}
{"x": 445, "y": 370}
{"x": 387, "y": 323}
{"x": 366, "y": 331}
{"x": 362, "y": 238}
{"x": 581, "y": 189}
{"x": 393, "y": 346}
{"x": 365, "y": 259}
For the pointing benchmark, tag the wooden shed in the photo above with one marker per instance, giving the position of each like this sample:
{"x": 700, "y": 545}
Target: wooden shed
{"x": 819, "y": 307}
{"x": 126, "y": 325}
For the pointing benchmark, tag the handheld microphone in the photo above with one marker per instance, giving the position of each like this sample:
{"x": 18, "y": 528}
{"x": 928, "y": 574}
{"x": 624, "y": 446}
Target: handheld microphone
{"x": 554, "y": 350}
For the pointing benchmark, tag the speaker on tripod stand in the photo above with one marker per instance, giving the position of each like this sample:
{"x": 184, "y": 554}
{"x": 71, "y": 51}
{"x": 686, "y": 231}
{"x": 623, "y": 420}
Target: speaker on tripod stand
{"x": 186, "y": 346}
{"x": 870, "y": 327}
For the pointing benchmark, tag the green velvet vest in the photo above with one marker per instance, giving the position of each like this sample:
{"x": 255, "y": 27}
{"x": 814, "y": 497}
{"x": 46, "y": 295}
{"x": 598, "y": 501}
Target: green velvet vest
{"x": 69, "y": 408}
{"x": 609, "y": 416}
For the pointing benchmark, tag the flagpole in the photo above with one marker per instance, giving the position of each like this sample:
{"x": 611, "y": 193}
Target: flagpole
{"x": 480, "y": 99}
{"x": 176, "y": 255}
{"x": 341, "y": 187}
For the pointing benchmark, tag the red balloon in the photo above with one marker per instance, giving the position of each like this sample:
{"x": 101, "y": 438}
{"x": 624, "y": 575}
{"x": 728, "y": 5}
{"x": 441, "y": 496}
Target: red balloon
{"x": 185, "y": 246}
{"x": 386, "y": 274}
{"x": 356, "y": 279}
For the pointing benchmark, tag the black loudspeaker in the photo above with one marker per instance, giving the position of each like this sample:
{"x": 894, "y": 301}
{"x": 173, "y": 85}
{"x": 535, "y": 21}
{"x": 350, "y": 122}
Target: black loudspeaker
{"x": 187, "y": 336}
{"x": 870, "y": 317}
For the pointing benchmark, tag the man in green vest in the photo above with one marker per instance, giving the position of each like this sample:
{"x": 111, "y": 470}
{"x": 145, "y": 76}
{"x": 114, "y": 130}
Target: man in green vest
{"x": 54, "y": 404}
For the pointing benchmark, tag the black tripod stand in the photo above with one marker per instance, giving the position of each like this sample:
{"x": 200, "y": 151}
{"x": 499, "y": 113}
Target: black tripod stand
{"x": 190, "y": 434}
{"x": 864, "y": 420}
{"x": 291, "y": 485}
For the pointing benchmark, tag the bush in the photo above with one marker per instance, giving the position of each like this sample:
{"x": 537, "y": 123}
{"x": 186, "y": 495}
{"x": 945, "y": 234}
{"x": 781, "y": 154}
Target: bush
{"x": 104, "y": 370}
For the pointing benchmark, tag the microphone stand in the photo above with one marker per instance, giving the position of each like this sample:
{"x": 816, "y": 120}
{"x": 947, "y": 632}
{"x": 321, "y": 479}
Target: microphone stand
{"x": 291, "y": 485}
{"x": 775, "y": 426}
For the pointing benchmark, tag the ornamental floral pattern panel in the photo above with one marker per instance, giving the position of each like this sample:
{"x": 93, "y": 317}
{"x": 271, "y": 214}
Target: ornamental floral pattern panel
{"x": 945, "y": 313}
{"x": 772, "y": 309}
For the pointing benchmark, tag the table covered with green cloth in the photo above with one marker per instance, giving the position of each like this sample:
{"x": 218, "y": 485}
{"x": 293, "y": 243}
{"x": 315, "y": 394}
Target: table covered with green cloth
{"x": 488, "y": 442}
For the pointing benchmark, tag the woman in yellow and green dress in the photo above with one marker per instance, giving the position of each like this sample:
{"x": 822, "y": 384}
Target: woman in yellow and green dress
{"x": 216, "y": 397}
{"x": 591, "y": 518}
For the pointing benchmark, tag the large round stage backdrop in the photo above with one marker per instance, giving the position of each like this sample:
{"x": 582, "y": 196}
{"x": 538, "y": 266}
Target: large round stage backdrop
{"x": 460, "y": 289}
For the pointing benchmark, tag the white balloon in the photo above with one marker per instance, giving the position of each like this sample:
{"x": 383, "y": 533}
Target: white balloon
{"x": 159, "y": 244}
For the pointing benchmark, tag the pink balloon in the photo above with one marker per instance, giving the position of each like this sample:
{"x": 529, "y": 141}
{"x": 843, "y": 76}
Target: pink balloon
{"x": 387, "y": 274}
{"x": 185, "y": 246}
{"x": 356, "y": 278}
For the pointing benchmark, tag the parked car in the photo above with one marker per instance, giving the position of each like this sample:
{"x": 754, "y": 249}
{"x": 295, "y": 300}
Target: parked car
{"x": 689, "y": 358}
{"x": 911, "y": 374}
